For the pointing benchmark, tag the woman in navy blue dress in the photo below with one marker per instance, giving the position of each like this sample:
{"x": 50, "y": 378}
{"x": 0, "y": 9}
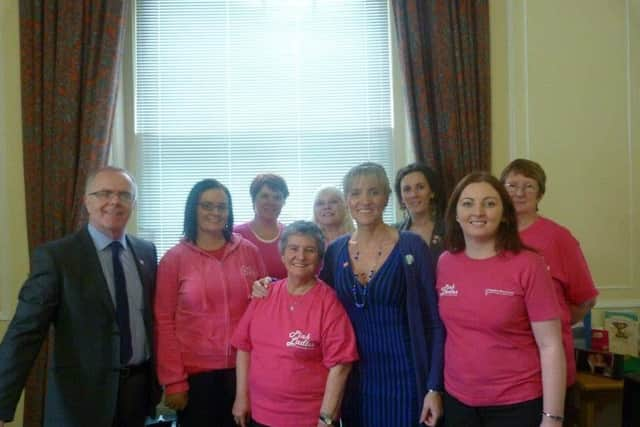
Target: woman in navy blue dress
{"x": 385, "y": 280}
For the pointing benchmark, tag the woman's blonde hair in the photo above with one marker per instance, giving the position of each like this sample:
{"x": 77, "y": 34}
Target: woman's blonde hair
{"x": 366, "y": 169}
{"x": 347, "y": 221}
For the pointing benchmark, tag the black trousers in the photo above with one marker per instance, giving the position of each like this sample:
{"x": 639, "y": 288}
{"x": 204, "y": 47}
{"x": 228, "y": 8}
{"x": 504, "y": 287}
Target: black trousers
{"x": 525, "y": 414}
{"x": 211, "y": 396}
{"x": 133, "y": 395}
{"x": 571, "y": 409}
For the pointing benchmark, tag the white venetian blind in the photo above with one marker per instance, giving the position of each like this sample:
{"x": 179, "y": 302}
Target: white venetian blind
{"x": 229, "y": 89}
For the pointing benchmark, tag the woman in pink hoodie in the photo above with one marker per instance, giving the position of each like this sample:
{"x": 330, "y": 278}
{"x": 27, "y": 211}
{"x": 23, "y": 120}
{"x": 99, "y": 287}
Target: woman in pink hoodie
{"x": 203, "y": 289}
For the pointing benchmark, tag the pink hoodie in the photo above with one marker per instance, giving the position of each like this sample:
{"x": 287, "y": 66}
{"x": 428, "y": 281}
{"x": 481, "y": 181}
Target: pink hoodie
{"x": 199, "y": 302}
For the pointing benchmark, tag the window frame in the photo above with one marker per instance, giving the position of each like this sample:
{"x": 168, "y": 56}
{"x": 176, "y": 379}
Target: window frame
{"x": 124, "y": 147}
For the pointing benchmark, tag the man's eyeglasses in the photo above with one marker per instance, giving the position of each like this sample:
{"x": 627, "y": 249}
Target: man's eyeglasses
{"x": 526, "y": 188}
{"x": 210, "y": 207}
{"x": 104, "y": 195}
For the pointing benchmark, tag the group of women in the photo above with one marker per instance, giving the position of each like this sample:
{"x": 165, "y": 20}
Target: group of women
{"x": 348, "y": 323}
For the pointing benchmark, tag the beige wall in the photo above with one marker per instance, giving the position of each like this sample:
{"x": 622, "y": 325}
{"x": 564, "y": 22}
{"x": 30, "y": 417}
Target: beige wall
{"x": 13, "y": 245}
{"x": 566, "y": 94}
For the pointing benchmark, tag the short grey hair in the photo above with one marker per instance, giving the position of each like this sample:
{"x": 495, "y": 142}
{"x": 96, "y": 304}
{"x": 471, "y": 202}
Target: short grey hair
{"x": 306, "y": 228}
{"x": 92, "y": 177}
{"x": 366, "y": 169}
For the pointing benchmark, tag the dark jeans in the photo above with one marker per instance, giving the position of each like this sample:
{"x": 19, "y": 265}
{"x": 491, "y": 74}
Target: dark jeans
{"x": 211, "y": 396}
{"x": 571, "y": 409}
{"x": 254, "y": 423}
{"x": 133, "y": 395}
{"x": 524, "y": 414}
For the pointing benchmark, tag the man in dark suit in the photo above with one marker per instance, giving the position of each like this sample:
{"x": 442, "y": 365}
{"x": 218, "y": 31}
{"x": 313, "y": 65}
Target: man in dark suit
{"x": 96, "y": 288}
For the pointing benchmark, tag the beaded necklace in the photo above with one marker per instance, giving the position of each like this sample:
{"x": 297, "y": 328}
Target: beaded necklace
{"x": 359, "y": 287}
{"x": 363, "y": 294}
{"x": 368, "y": 275}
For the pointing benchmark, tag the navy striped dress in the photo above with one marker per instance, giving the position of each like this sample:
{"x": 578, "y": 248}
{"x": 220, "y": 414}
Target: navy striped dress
{"x": 381, "y": 389}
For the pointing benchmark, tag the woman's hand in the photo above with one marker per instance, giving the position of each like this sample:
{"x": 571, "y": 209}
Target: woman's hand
{"x": 176, "y": 401}
{"x": 431, "y": 408}
{"x": 241, "y": 411}
{"x": 260, "y": 288}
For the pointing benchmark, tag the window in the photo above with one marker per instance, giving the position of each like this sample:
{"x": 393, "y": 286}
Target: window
{"x": 229, "y": 89}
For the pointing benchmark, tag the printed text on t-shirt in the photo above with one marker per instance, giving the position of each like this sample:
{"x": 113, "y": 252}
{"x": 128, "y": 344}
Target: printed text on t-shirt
{"x": 489, "y": 291}
{"x": 299, "y": 339}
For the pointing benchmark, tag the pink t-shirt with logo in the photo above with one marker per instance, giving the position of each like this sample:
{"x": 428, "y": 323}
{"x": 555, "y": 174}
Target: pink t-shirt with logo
{"x": 487, "y": 306}
{"x": 569, "y": 271}
{"x": 293, "y": 341}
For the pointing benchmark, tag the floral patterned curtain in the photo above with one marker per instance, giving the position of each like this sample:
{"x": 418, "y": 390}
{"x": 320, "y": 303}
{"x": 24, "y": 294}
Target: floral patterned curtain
{"x": 70, "y": 60}
{"x": 444, "y": 45}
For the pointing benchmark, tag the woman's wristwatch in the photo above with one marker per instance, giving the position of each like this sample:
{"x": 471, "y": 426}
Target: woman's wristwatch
{"x": 327, "y": 420}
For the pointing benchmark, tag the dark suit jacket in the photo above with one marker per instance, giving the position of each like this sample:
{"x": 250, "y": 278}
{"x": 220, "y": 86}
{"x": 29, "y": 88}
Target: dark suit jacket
{"x": 67, "y": 289}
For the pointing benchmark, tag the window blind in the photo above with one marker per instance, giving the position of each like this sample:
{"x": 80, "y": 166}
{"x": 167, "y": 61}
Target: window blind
{"x": 230, "y": 89}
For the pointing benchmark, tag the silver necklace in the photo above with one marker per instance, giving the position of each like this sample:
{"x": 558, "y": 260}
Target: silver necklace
{"x": 293, "y": 304}
{"x": 295, "y": 299}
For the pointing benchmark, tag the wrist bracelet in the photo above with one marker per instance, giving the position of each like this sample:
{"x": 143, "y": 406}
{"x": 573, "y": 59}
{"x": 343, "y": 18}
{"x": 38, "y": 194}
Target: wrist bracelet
{"x": 553, "y": 417}
{"x": 326, "y": 419}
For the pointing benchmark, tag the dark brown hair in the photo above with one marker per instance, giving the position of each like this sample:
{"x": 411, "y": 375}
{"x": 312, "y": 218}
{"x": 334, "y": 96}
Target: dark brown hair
{"x": 190, "y": 227}
{"x": 434, "y": 183}
{"x": 507, "y": 238}
{"x": 274, "y": 182}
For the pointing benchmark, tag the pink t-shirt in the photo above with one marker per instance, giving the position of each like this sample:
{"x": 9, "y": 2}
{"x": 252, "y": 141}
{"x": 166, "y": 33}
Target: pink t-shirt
{"x": 293, "y": 341}
{"x": 268, "y": 249}
{"x": 487, "y": 306}
{"x": 569, "y": 271}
